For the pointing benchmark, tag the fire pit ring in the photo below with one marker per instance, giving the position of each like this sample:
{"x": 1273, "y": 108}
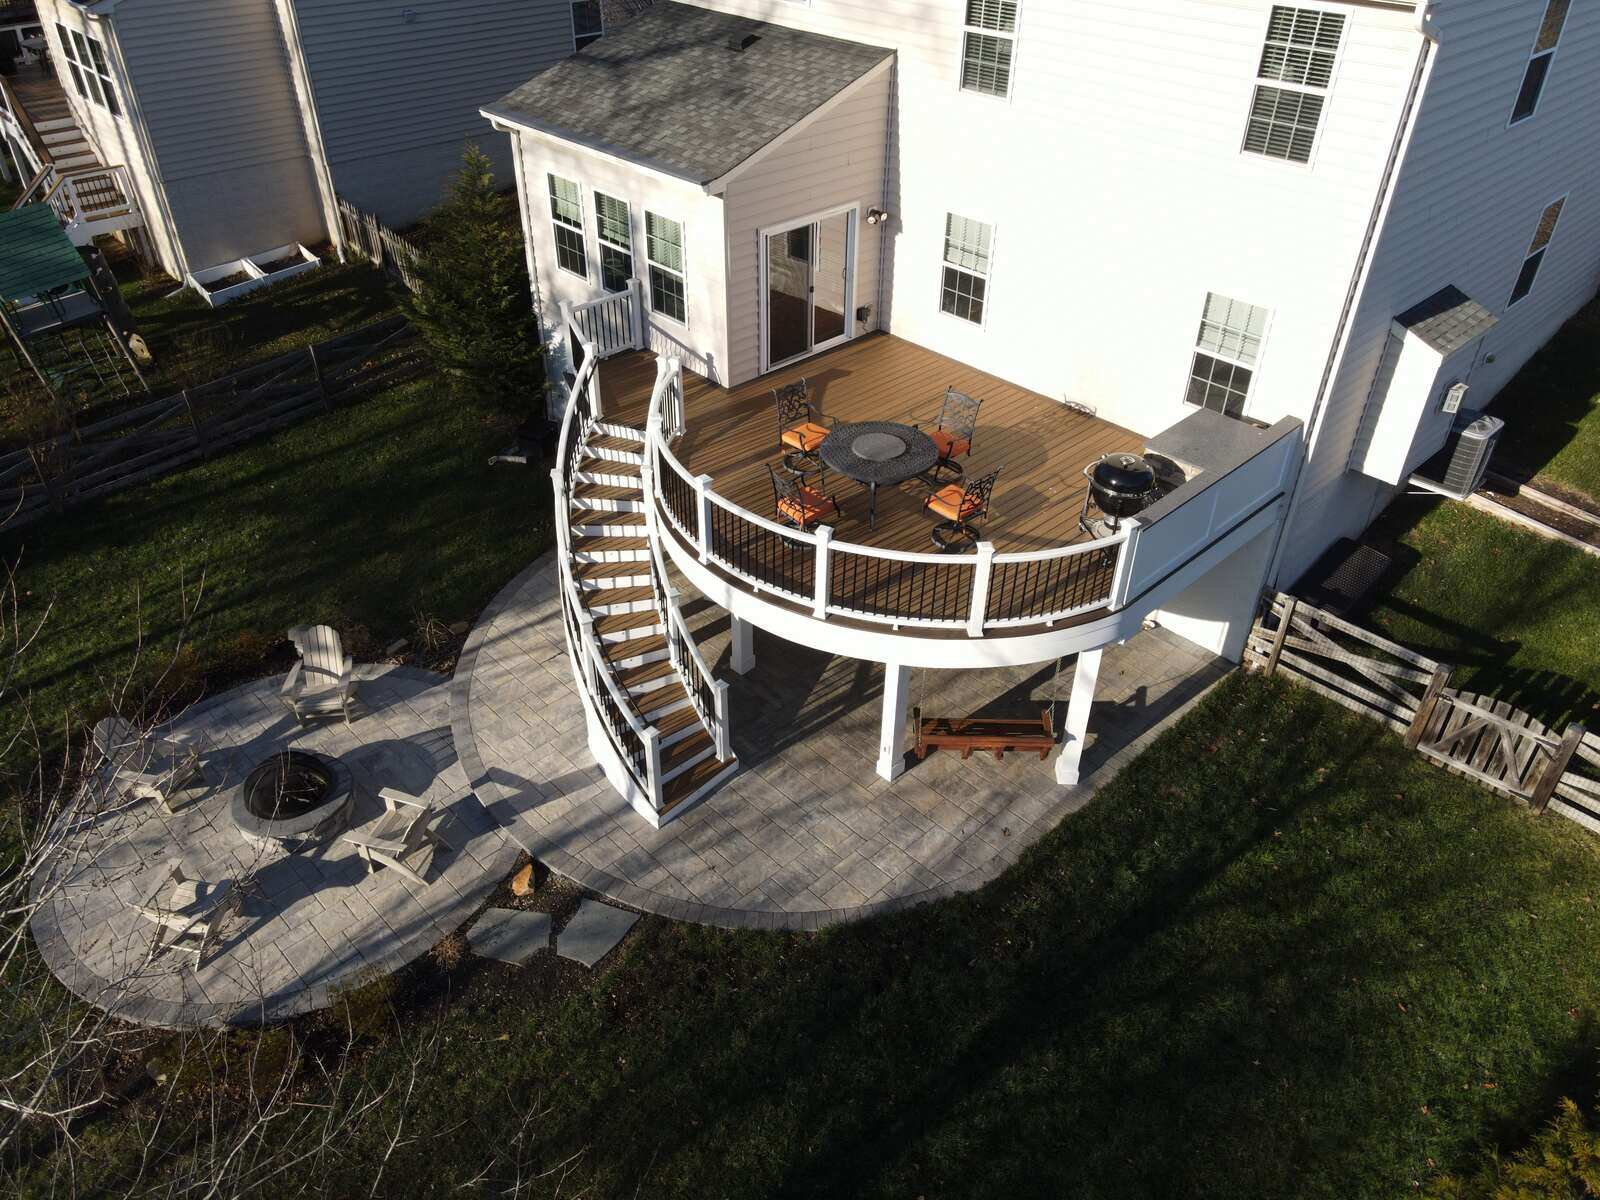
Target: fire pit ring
{"x": 295, "y": 799}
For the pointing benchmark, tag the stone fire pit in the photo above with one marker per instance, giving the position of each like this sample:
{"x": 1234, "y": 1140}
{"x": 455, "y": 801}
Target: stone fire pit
{"x": 294, "y": 799}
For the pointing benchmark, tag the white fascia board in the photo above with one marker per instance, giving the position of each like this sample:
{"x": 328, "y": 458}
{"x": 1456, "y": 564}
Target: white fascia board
{"x": 505, "y": 122}
{"x": 720, "y": 183}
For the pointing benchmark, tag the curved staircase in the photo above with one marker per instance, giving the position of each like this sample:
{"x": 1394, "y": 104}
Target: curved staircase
{"x": 658, "y": 719}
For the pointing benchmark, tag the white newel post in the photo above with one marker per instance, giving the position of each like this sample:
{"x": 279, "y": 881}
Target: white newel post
{"x": 819, "y": 606}
{"x": 1085, "y": 678}
{"x": 636, "y": 307}
{"x": 702, "y": 491}
{"x": 982, "y": 573}
{"x": 719, "y": 691}
{"x": 744, "y": 646}
{"x": 1122, "y": 578}
{"x": 892, "y": 733}
{"x": 652, "y": 764}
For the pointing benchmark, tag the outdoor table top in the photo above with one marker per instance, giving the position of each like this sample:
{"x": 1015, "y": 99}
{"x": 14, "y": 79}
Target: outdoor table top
{"x": 878, "y": 451}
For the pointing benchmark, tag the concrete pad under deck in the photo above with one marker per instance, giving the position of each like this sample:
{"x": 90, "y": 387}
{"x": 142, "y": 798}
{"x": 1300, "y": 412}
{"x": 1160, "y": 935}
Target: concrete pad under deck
{"x": 806, "y": 834}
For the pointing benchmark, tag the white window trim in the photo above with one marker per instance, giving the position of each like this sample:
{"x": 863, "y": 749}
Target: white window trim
{"x": 1254, "y": 368}
{"x": 986, "y": 276}
{"x": 682, "y": 276}
{"x": 572, "y": 16}
{"x": 601, "y": 239}
{"x": 1014, "y": 37}
{"x": 1257, "y": 81}
{"x": 582, "y": 230}
{"x": 1534, "y": 52}
{"x": 104, "y": 78}
{"x": 1564, "y": 199}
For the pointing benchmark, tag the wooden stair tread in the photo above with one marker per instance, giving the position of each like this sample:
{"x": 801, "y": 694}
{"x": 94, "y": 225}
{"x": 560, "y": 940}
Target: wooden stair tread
{"x": 616, "y": 651}
{"x": 610, "y": 441}
{"x": 595, "y": 597}
{"x": 648, "y": 673}
{"x": 655, "y": 701}
{"x": 623, "y": 622}
{"x": 677, "y": 720}
{"x": 605, "y": 516}
{"x": 606, "y": 491}
{"x": 691, "y": 781}
{"x": 610, "y": 570}
{"x": 610, "y": 541}
{"x": 608, "y": 466}
{"x": 675, "y": 755}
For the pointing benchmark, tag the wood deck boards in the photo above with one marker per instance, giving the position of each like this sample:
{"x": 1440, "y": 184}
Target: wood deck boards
{"x": 1040, "y": 446}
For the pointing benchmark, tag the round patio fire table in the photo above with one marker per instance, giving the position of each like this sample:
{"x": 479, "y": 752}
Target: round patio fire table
{"x": 874, "y": 452}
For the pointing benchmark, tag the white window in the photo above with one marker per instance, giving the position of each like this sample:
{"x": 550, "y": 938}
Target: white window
{"x": 1544, "y": 53}
{"x": 663, "y": 247}
{"x": 1548, "y": 220}
{"x": 566, "y": 218}
{"x": 1301, "y": 49}
{"x": 988, "y": 44}
{"x": 1226, "y": 352}
{"x": 964, "y": 284}
{"x": 91, "y": 73}
{"x": 613, "y": 229}
{"x": 588, "y": 23}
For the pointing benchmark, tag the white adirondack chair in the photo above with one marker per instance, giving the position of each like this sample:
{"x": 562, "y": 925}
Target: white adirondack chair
{"x": 405, "y": 829}
{"x": 320, "y": 685}
{"x": 191, "y": 918}
{"x": 143, "y": 765}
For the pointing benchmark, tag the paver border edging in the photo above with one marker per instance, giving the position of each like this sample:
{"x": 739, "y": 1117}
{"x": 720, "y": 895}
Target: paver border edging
{"x": 604, "y": 883}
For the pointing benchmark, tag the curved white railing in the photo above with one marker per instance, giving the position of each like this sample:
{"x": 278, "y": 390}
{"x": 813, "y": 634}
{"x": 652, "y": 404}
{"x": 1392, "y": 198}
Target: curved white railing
{"x": 975, "y": 592}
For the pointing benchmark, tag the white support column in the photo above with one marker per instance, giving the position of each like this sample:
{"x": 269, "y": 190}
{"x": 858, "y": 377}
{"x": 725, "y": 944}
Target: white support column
{"x": 1085, "y": 678}
{"x": 744, "y": 646}
{"x": 892, "y": 734}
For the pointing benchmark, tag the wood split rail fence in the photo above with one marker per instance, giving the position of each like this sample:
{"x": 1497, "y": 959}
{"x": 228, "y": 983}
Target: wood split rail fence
{"x": 158, "y": 438}
{"x": 371, "y": 239}
{"x": 1479, "y": 737}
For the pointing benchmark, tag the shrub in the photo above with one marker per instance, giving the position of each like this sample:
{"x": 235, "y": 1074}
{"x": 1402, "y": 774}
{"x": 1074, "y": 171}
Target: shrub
{"x": 1563, "y": 1163}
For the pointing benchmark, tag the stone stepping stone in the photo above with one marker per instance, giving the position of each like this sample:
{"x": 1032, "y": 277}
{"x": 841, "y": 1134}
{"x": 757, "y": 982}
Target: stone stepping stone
{"x": 509, "y": 936}
{"x": 593, "y": 932}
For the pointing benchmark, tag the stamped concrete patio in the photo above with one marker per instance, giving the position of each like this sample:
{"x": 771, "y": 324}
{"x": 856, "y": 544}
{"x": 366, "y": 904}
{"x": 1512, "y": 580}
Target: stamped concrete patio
{"x": 316, "y": 922}
{"x": 806, "y": 834}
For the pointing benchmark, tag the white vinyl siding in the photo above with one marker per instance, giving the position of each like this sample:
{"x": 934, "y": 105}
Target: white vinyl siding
{"x": 566, "y": 220}
{"x": 91, "y": 73}
{"x": 1297, "y": 65}
{"x": 663, "y": 240}
{"x": 588, "y": 23}
{"x": 1537, "y": 73}
{"x": 613, "y": 231}
{"x": 1226, "y": 353}
{"x": 988, "y": 46}
{"x": 964, "y": 282}
{"x": 1542, "y": 236}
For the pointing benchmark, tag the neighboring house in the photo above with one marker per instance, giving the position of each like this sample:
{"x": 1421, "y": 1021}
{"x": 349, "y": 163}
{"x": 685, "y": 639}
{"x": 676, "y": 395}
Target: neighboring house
{"x": 1352, "y": 221}
{"x": 228, "y": 128}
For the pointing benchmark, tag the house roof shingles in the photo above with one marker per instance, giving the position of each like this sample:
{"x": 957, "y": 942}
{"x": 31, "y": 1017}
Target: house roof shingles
{"x": 1448, "y": 320}
{"x": 667, "y": 91}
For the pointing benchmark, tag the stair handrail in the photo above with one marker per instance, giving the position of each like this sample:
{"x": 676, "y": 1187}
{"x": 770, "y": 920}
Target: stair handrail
{"x": 37, "y": 150}
{"x": 46, "y": 173}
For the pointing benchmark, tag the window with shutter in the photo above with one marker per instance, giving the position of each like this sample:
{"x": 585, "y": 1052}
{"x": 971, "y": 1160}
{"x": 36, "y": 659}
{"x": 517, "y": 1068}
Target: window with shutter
{"x": 663, "y": 248}
{"x": 613, "y": 230}
{"x": 1226, "y": 352}
{"x": 566, "y": 219}
{"x": 1297, "y": 66}
{"x": 988, "y": 45}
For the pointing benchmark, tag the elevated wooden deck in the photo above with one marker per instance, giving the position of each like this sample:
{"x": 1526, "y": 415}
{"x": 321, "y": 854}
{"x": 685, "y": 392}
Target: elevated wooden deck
{"x": 1040, "y": 446}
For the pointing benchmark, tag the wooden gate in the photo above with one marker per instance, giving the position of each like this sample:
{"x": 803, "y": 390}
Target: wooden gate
{"x": 1500, "y": 746}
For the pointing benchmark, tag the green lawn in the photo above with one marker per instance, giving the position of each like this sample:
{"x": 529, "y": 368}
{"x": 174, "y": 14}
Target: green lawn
{"x": 1517, "y": 612}
{"x": 1552, "y": 408}
{"x": 364, "y": 519}
{"x": 1278, "y": 957}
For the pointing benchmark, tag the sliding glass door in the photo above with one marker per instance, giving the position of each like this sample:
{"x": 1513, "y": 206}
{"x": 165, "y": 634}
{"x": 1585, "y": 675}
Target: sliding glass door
{"x": 809, "y": 272}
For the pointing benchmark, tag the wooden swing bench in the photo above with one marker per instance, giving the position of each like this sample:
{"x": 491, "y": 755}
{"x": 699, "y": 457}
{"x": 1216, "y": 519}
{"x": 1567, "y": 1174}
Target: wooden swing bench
{"x": 995, "y": 735}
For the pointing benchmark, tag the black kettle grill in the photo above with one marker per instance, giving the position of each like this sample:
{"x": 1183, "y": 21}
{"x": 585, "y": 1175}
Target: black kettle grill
{"x": 1120, "y": 485}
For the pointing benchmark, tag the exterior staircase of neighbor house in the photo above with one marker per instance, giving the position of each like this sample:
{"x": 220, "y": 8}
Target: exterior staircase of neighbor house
{"x": 630, "y": 612}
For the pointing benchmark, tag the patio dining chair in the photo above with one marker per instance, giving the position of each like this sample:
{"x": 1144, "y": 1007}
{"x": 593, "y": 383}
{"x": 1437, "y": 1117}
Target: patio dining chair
{"x": 960, "y": 505}
{"x": 798, "y": 503}
{"x": 958, "y": 422}
{"x": 403, "y": 832}
{"x": 190, "y": 918}
{"x": 801, "y": 429}
{"x": 320, "y": 684}
{"x": 142, "y": 765}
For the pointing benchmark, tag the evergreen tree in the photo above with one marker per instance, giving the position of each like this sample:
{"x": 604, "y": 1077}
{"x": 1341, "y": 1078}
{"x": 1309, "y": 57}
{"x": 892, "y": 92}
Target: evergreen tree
{"x": 472, "y": 304}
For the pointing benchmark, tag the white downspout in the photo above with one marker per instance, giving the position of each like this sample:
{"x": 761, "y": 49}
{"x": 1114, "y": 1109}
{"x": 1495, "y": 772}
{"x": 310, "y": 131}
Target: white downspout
{"x": 1426, "y": 57}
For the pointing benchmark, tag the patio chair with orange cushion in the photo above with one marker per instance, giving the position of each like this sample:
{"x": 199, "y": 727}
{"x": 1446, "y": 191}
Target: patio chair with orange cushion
{"x": 958, "y": 421}
{"x": 798, "y": 503}
{"x": 801, "y": 429}
{"x": 960, "y": 505}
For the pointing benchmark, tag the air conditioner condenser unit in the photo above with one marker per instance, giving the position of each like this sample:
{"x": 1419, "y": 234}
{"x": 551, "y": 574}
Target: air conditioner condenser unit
{"x": 1458, "y": 470}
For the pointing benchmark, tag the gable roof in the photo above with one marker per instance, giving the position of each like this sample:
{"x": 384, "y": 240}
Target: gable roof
{"x": 668, "y": 90}
{"x": 36, "y": 255}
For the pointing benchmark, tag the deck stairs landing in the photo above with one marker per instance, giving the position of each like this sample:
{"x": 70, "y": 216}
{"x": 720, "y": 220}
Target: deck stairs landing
{"x": 611, "y": 566}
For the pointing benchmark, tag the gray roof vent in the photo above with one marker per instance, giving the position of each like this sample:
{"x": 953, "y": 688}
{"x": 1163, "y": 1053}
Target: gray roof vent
{"x": 741, "y": 40}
